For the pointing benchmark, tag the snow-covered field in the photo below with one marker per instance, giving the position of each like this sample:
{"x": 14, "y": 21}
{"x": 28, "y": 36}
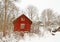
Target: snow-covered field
{"x": 45, "y": 38}
{"x": 34, "y": 38}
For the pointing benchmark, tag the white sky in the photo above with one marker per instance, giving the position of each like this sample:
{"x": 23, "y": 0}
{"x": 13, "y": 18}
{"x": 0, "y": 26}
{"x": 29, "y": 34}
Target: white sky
{"x": 40, "y": 4}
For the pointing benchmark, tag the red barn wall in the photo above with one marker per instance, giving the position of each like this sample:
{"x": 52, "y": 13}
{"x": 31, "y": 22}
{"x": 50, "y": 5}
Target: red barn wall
{"x": 18, "y": 22}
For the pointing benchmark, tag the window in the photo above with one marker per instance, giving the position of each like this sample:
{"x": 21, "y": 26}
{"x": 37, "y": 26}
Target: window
{"x": 22, "y": 26}
{"x": 22, "y": 19}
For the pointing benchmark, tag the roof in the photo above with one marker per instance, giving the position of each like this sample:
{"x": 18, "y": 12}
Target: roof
{"x": 19, "y": 17}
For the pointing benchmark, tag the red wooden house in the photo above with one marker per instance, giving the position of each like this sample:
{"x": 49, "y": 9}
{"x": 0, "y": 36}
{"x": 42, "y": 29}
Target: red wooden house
{"x": 22, "y": 23}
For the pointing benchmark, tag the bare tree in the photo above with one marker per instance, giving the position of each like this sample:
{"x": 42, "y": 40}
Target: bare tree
{"x": 8, "y": 12}
{"x": 48, "y": 18}
{"x": 1, "y": 15}
{"x": 32, "y": 12}
{"x": 12, "y": 13}
{"x": 33, "y": 15}
{"x": 58, "y": 20}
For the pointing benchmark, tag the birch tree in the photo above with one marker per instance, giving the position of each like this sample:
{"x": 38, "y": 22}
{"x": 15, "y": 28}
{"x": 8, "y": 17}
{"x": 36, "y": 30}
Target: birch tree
{"x": 1, "y": 18}
{"x": 1, "y": 15}
{"x": 8, "y": 12}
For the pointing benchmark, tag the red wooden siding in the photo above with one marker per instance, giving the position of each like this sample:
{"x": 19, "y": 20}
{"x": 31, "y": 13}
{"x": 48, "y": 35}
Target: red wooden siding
{"x": 22, "y": 20}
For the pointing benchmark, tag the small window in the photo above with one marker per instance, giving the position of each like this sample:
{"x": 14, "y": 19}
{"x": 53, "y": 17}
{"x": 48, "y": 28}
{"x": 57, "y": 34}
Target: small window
{"x": 22, "y": 26}
{"x": 22, "y": 19}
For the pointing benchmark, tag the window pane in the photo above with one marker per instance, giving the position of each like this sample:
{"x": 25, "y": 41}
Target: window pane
{"x": 22, "y": 26}
{"x": 22, "y": 19}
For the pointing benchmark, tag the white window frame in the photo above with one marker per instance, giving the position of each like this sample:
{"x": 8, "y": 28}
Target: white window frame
{"x": 22, "y": 26}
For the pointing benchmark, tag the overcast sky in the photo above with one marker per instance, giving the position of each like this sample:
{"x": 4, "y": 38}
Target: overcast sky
{"x": 40, "y": 4}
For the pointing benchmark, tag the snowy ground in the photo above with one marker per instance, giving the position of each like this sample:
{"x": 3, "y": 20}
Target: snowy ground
{"x": 45, "y": 38}
{"x": 35, "y": 38}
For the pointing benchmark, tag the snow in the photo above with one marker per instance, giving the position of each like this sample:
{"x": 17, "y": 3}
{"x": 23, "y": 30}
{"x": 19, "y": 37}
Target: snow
{"x": 47, "y": 37}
